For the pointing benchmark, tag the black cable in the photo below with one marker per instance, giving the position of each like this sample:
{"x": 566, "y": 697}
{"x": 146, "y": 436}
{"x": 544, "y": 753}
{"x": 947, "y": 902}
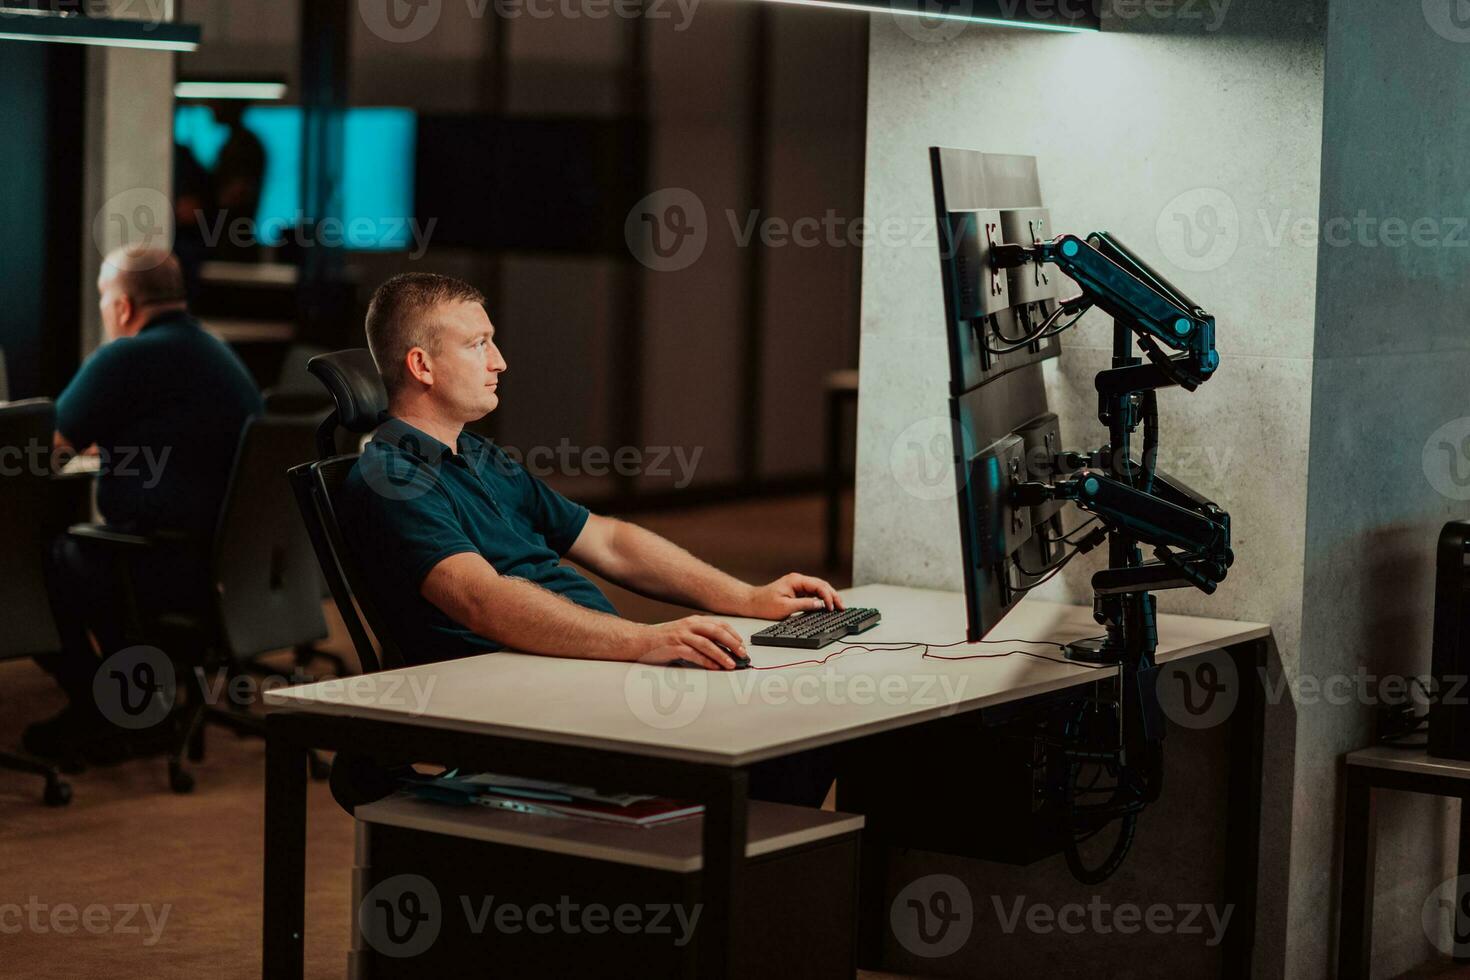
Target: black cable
{"x": 1016, "y": 560}
{"x": 1050, "y": 573}
{"x": 1046, "y": 329}
{"x": 1078, "y": 529}
{"x": 1069, "y": 324}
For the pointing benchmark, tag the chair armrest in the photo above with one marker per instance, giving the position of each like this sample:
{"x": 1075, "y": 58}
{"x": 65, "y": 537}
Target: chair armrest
{"x": 105, "y": 535}
{"x": 156, "y": 537}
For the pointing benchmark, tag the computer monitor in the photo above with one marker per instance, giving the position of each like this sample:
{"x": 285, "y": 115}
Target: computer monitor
{"x": 1003, "y": 430}
{"x": 378, "y": 157}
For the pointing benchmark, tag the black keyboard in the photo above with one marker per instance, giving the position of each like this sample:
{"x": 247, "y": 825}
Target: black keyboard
{"x": 814, "y": 630}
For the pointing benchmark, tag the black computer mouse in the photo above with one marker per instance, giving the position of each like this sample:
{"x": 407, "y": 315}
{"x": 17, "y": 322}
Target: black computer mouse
{"x": 741, "y": 660}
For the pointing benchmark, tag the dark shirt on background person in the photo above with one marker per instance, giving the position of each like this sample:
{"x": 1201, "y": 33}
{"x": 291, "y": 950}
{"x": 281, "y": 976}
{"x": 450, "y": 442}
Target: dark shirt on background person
{"x": 165, "y": 408}
{"x": 164, "y": 404}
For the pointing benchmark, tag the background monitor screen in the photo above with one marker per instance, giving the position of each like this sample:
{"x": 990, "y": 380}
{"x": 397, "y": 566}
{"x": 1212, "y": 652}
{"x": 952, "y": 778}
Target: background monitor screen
{"x": 378, "y": 168}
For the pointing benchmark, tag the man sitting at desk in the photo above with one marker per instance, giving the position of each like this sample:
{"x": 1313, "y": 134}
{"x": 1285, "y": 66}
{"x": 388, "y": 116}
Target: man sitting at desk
{"x": 463, "y": 547}
{"x": 163, "y": 403}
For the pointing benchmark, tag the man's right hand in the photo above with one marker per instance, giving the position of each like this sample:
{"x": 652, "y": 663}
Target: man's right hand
{"x": 692, "y": 638}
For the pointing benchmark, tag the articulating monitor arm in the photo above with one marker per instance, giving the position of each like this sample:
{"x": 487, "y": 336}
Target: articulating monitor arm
{"x": 1124, "y": 286}
{"x": 1190, "y": 535}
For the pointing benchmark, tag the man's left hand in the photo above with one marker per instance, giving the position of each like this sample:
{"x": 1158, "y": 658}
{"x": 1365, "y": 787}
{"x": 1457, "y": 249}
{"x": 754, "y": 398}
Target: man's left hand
{"x": 791, "y": 593}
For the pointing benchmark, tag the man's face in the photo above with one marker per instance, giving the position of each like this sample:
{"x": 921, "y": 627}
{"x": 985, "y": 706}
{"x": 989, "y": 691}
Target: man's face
{"x": 467, "y": 366}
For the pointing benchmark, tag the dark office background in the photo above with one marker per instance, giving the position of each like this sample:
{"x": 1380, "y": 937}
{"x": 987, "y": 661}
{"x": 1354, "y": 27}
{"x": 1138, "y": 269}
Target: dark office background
{"x": 545, "y": 131}
{"x": 40, "y": 199}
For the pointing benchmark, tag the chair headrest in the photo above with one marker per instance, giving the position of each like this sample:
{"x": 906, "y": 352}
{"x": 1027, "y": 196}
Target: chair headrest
{"x": 352, "y": 380}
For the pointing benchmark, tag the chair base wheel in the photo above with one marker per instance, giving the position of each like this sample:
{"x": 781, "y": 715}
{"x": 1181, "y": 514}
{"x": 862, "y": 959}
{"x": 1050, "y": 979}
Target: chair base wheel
{"x": 58, "y": 792}
{"x": 179, "y": 781}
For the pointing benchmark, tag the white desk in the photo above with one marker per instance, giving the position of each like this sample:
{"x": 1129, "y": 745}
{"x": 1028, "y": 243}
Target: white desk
{"x": 736, "y": 718}
{"x": 689, "y": 733}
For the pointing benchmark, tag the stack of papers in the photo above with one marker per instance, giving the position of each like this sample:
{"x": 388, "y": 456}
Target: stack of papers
{"x": 550, "y": 798}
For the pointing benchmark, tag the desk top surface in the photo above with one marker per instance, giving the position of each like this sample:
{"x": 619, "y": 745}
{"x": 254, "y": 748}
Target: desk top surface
{"x": 740, "y": 717}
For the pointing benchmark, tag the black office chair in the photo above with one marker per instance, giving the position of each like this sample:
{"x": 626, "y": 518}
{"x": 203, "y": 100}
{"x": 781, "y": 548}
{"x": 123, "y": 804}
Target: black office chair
{"x": 360, "y": 405}
{"x": 266, "y": 594}
{"x": 26, "y": 527}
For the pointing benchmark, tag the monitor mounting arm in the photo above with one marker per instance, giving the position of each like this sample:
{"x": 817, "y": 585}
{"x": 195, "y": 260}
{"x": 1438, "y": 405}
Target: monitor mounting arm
{"x": 1125, "y": 287}
{"x": 1189, "y": 535}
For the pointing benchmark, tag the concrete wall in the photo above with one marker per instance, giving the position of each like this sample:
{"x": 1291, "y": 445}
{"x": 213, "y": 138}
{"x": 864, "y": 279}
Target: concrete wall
{"x": 1190, "y": 136}
{"x": 1389, "y": 407}
{"x": 129, "y": 157}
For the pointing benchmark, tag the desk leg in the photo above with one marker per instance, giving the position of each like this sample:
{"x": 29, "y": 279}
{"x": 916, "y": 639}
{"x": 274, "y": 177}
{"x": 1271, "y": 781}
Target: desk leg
{"x": 724, "y": 864}
{"x": 1355, "y": 931}
{"x": 285, "y": 857}
{"x": 1464, "y": 857}
{"x": 872, "y": 882}
{"x": 1243, "y": 818}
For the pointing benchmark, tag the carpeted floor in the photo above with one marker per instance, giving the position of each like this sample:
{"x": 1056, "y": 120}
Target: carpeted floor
{"x": 133, "y": 881}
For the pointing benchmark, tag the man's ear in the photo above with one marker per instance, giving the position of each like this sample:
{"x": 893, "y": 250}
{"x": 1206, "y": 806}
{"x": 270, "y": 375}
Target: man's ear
{"x": 125, "y": 311}
{"x": 419, "y": 367}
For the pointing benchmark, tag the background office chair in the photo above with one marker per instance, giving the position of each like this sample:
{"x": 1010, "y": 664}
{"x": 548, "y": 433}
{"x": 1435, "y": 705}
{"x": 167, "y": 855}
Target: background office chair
{"x": 266, "y": 594}
{"x": 26, "y": 527}
{"x": 360, "y": 404}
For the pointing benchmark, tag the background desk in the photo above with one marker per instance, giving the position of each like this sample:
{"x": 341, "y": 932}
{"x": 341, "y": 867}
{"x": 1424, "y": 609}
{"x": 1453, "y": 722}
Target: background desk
{"x": 689, "y": 733}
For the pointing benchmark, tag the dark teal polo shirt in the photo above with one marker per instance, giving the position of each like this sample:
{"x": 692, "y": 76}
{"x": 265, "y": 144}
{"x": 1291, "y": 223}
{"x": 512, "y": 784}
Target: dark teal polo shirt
{"x": 410, "y": 502}
{"x": 165, "y": 408}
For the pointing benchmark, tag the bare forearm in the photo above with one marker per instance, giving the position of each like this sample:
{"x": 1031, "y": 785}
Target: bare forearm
{"x": 520, "y": 615}
{"x": 658, "y": 568}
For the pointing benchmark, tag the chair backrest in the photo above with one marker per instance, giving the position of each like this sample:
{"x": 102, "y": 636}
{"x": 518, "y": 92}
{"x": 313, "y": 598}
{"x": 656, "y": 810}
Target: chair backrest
{"x": 360, "y": 403}
{"x": 317, "y": 487}
{"x": 359, "y": 399}
{"x": 25, "y": 527}
{"x": 268, "y": 588}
